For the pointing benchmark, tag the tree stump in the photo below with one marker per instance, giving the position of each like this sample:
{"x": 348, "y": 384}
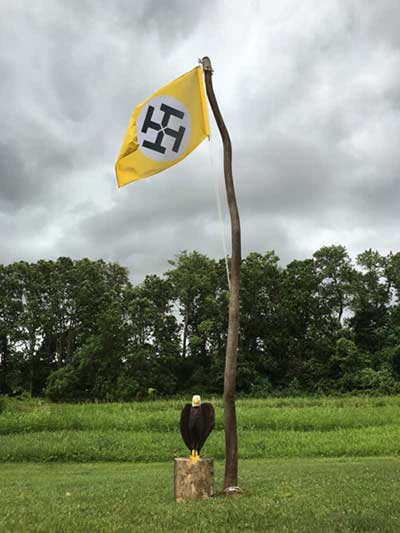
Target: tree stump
{"x": 193, "y": 480}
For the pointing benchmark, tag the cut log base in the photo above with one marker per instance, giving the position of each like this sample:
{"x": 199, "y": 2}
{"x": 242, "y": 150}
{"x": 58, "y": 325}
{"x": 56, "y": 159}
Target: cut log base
{"x": 193, "y": 481}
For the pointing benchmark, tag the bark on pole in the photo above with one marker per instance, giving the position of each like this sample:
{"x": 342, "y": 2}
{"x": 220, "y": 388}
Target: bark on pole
{"x": 231, "y": 441}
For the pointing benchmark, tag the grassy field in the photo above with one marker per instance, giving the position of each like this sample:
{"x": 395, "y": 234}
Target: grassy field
{"x": 307, "y": 496}
{"x": 148, "y": 431}
{"x": 306, "y": 464}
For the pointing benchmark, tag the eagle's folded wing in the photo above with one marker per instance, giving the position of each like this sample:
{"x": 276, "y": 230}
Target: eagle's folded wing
{"x": 208, "y": 415}
{"x": 184, "y": 425}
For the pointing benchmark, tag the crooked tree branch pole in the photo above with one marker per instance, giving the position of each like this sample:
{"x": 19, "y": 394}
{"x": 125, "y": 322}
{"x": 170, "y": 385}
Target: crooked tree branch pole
{"x": 231, "y": 442}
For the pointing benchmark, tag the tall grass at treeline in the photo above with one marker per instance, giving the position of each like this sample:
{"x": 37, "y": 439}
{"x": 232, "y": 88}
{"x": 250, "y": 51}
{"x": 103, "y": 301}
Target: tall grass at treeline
{"x": 149, "y": 431}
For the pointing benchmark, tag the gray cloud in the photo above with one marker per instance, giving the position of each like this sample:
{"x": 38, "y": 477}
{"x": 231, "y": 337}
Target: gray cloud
{"x": 310, "y": 92}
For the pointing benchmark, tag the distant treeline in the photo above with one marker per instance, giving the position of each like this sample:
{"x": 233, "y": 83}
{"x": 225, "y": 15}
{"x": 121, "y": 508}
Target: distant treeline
{"x": 79, "y": 330}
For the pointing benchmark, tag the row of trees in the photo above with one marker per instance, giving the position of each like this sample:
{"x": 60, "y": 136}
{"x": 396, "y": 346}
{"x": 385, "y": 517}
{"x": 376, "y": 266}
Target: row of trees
{"x": 77, "y": 330}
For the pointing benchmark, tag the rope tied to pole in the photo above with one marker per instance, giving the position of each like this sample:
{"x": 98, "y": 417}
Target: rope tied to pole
{"x": 219, "y": 208}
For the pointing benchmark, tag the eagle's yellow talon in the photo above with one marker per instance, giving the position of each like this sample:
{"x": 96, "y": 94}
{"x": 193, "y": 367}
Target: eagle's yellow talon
{"x": 194, "y": 457}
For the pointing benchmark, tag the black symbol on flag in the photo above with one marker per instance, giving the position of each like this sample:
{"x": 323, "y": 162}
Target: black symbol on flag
{"x": 163, "y": 128}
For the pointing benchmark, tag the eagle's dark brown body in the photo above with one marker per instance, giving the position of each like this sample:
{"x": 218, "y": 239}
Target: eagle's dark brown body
{"x": 196, "y": 424}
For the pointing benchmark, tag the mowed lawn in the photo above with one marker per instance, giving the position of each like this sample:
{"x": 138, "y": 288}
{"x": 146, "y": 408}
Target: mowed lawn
{"x": 307, "y": 495}
{"x": 306, "y": 464}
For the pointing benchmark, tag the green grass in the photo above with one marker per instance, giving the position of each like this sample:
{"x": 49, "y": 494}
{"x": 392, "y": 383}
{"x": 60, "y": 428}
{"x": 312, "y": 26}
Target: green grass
{"x": 142, "y": 447}
{"x": 149, "y": 431}
{"x": 291, "y": 413}
{"x": 306, "y": 464}
{"x": 281, "y": 496}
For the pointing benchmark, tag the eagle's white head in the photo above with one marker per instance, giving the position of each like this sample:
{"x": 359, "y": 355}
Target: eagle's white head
{"x": 196, "y": 400}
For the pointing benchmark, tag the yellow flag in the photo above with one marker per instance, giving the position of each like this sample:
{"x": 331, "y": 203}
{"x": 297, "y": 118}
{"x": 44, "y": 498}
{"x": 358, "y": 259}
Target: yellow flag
{"x": 164, "y": 129}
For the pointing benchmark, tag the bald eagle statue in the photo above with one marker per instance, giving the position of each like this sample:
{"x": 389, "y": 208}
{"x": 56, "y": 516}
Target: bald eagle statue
{"x": 197, "y": 422}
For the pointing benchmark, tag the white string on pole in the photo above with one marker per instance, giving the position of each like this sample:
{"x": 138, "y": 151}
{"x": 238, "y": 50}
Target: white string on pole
{"x": 219, "y": 208}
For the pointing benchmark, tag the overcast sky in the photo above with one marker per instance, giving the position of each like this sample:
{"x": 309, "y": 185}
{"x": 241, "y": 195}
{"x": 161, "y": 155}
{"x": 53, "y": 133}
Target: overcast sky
{"x": 310, "y": 91}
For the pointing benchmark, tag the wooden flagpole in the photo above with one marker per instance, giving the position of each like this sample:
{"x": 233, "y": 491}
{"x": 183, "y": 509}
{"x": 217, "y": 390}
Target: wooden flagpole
{"x": 231, "y": 441}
